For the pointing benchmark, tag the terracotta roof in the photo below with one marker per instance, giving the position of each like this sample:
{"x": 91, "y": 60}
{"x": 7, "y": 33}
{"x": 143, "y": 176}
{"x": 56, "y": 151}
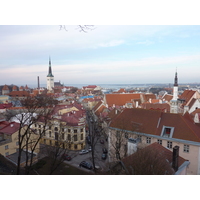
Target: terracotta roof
{"x": 120, "y": 99}
{"x": 155, "y": 100}
{"x": 97, "y": 105}
{"x": 14, "y": 87}
{"x": 164, "y": 107}
{"x": 19, "y": 94}
{"x": 5, "y": 87}
{"x": 147, "y": 97}
{"x": 187, "y": 95}
{"x": 100, "y": 110}
{"x": 152, "y": 122}
{"x": 167, "y": 97}
{"x": 161, "y": 155}
{"x": 122, "y": 90}
{"x": 192, "y": 102}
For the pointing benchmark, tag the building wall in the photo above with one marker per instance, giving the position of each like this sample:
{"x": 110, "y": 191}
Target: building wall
{"x": 63, "y": 138}
{"x": 50, "y": 83}
{"x": 10, "y": 142}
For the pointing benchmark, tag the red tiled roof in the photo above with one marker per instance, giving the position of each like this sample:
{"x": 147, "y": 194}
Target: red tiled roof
{"x": 147, "y": 97}
{"x": 10, "y": 128}
{"x": 4, "y": 106}
{"x": 167, "y": 97}
{"x": 163, "y": 155}
{"x": 122, "y": 90}
{"x": 14, "y": 87}
{"x": 5, "y": 87}
{"x": 19, "y": 94}
{"x": 120, "y": 99}
{"x": 165, "y": 107}
{"x": 152, "y": 122}
{"x": 192, "y": 102}
{"x": 187, "y": 95}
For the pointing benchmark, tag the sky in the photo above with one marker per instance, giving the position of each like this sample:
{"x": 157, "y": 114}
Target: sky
{"x": 108, "y": 54}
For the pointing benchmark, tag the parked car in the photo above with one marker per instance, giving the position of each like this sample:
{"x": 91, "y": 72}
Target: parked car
{"x": 90, "y": 148}
{"x": 83, "y": 151}
{"x": 102, "y": 141}
{"x": 85, "y": 164}
{"x": 105, "y": 150}
{"x": 104, "y": 156}
{"x": 66, "y": 157}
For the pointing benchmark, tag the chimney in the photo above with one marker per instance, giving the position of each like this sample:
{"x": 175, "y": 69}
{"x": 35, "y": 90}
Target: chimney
{"x": 175, "y": 158}
{"x": 38, "y": 83}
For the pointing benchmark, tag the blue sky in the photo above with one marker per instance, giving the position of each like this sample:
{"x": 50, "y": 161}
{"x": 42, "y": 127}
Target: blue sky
{"x": 117, "y": 54}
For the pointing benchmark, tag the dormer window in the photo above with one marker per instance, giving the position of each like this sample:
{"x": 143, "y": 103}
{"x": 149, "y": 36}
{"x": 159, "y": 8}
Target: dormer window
{"x": 167, "y": 131}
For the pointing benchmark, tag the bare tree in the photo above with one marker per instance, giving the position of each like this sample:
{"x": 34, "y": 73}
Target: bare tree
{"x": 81, "y": 28}
{"x": 148, "y": 161}
{"x": 93, "y": 134}
{"x": 118, "y": 139}
{"x": 34, "y": 109}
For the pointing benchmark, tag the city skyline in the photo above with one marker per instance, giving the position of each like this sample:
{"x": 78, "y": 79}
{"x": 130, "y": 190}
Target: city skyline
{"x": 106, "y": 55}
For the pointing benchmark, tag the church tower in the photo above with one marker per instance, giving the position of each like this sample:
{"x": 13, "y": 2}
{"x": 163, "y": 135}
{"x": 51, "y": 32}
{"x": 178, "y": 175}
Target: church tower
{"x": 50, "y": 78}
{"x": 174, "y": 101}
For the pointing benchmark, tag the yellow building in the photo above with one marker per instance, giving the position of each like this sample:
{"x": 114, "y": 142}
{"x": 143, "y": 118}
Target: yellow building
{"x": 9, "y": 143}
{"x": 8, "y": 138}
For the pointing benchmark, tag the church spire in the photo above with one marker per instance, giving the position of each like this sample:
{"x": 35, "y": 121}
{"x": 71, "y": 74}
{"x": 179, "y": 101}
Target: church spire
{"x": 176, "y": 79}
{"x": 50, "y": 71}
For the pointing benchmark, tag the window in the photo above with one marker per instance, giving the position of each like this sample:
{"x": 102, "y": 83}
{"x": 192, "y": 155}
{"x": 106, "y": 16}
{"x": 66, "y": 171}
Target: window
{"x": 69, "y": 137}
{"x": 75, "y": 146}
{"x": 7, "y": 153}
{"x": 167, "y": 131}
{"x": 140, "y": 137}
{"x": 75, "y": 137}
{"x": 81, "y": 136}
{"x": 63, "y": 129}
{"x": 63, "y": 136}
{"x": 56, "y": 128}
{"x": 186, "y": 148}
{"x": 159, "y": 142}
{"x": 56, "y": 135}
{"x": 169, "y": 145}
{"x": 118, "y": 134}
{"x": 50, "y": 142}
{"x": 148, "y": 140}
{"x": 75, "y": 130}
{"x": 35, "y": 125}
{"x": 82, "y": 130}
{"x": 49, "y": 133}
{"x": 6, "y": 147}
{"x": 17, "y": 143}
{"x": 69, "y": 130}
{"x": 39, "y": 126}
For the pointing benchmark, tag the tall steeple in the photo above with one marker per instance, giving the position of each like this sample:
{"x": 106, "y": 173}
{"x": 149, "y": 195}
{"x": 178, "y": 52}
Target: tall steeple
{"x": 176, "y": 79}
{"x": 50, "y": 71}
{"x": 174, "y": 101}
{"x": 50, "y": 78}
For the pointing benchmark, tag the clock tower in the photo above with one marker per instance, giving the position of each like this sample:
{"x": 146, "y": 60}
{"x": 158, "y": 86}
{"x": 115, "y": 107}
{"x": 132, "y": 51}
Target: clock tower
{"x": 50, "y": 78}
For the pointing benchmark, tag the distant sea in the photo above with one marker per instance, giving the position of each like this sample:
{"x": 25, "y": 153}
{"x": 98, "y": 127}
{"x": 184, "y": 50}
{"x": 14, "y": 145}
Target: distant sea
{"x": 110, "y": 86}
